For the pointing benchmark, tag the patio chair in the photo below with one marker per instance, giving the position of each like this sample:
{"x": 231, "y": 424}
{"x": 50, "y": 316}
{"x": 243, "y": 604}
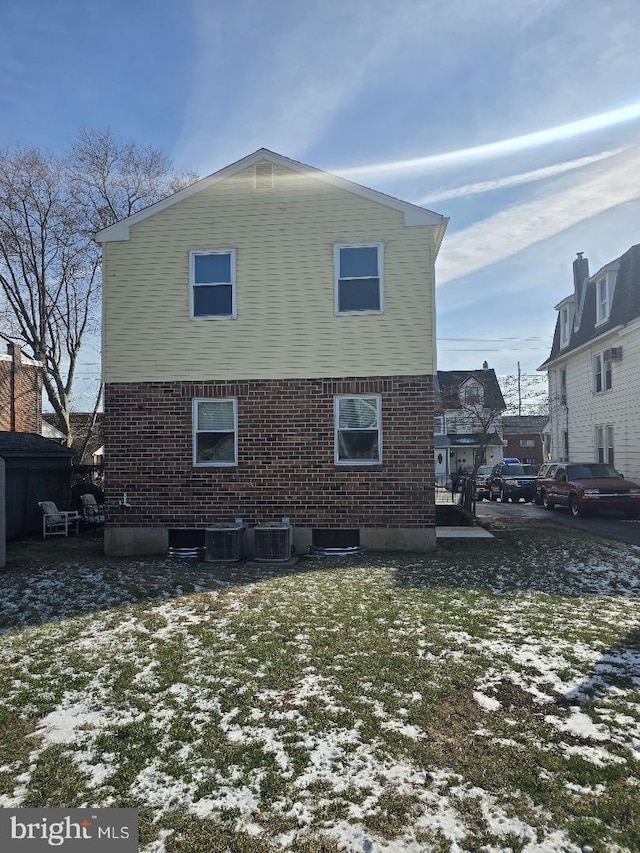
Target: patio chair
{"x": 92, "y": 511}
{"x": 57, "y": 522}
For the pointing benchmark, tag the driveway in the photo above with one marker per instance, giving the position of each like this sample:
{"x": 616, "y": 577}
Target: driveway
{"x": 611, "y": 525}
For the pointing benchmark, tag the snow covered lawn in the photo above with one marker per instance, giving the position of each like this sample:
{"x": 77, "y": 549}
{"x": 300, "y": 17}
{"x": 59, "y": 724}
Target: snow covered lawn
{"x": 485, "y": 698}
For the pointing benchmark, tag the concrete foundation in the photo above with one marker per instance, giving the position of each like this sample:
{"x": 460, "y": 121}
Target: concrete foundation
{"x": 132, "y": 541}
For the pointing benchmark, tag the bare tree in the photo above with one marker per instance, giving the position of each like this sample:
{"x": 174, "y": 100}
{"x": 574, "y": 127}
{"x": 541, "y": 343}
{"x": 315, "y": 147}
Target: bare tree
{"x": 478, "y": 407}
{"x": 50, "y": 207}
{"x": 525, "y": 393}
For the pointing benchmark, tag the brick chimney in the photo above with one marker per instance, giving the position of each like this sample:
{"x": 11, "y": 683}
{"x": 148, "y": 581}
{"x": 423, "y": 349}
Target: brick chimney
{"x": 580, "y": 276}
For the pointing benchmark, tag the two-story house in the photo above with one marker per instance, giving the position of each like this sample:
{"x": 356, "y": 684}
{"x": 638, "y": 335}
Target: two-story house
{"x": 468, "y": 421}
{"x": 594, "y": 367}
{"x": 523, "y": 438}
{"x": 269, "y": 351}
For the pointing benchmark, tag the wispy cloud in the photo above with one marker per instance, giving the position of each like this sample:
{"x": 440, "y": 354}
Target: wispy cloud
{"x": 518, "y": 227}
{"x": 311, "y": 67}
{"x": 501, "y": 148}
{"x": 515, "y": 180}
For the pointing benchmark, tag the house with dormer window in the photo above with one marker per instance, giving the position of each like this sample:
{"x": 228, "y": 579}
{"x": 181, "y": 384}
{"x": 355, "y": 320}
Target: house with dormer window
{"x": 269, "y": 351}
{"x": 468, "y": 421}
{"x": 593, "y": 368}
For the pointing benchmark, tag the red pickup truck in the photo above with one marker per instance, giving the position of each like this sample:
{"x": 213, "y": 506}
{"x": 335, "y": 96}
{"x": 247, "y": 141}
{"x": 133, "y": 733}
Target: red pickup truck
{"x": 586, "y": 487}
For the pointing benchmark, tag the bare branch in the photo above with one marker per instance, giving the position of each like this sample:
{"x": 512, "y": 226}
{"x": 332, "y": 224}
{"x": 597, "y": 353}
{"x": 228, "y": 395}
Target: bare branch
{"x": 50, "y": 207}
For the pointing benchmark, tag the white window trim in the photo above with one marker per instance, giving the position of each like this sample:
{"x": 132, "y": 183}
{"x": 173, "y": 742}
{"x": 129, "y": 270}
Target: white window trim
{"x": 603, "y": 373}
{"x": 367, "y": 462}
{"x": 565, "y": 328}
{"x": 607, "y": 285}
{"x": 471, "y": 393}
{"x": 604, "y": 439}
{"x": 194, "y": 431}
{"x": 336, "y": 273}
{"x": 192, "y": 284}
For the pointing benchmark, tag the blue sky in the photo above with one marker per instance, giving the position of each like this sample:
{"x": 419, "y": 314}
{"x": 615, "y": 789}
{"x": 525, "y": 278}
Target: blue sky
{"x": 474, "y": 108}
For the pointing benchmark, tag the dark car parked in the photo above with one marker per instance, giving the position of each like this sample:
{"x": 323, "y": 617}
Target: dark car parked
{"x": 482, "y": 481}
{"x": 587, "y": 487}
{"x": 509, "y": 481}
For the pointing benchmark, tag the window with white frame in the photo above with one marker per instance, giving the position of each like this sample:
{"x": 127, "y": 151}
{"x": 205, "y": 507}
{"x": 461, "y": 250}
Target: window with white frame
{"x": 564, "y": 325}
{"x": 215, "y": 432}
{"x": 212, "y": 278}
{"x": 602, "y": 300}
{"x": 527, "y": 442}
{"x": 438, "y": 424}
{"x": 358, "y": 278}
{"x": 604, "y": 444}
{"x": 602, "y": 372}
{"x": 472, "y": 393}
{"x": 358, "y": 433}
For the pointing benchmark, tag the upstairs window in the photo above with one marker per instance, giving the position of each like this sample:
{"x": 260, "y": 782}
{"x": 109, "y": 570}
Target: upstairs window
{"x": 602, "y": 300}
{"x": 358, "y": 279}
{"x": 215, "y": 431}
{"x": 602, "y": 374}
{"x": 472, "y": 394}
{"x": 358, "y": 439}
{"x": 439, "y": 424}
{"x": 565, "y": 320}
{"x": 213, "y": 288}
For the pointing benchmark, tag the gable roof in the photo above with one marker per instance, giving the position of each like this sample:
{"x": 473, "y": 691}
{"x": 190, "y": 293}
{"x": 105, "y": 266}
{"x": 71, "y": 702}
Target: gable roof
{"x": 625, "y": 306}
{"x": 523, "y": 424}
{"x": 448, "y": 384}
{"x": 413, "y": 214}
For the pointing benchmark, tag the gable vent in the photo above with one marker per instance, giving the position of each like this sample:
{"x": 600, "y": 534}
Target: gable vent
{"x": 264, "y": 176}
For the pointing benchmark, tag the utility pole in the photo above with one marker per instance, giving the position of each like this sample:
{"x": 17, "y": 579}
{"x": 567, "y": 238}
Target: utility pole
{"x": 519, "y": 392}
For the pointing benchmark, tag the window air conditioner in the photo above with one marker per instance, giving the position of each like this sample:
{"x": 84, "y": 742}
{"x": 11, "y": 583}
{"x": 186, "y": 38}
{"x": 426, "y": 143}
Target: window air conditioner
{"x": 616, "y": 353}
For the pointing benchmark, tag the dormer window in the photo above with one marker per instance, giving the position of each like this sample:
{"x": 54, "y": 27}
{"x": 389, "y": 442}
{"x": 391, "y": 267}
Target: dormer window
{"x": 565, "y": 321}
{"x": 603, "y": 300}
{"x": 471, "y": 393}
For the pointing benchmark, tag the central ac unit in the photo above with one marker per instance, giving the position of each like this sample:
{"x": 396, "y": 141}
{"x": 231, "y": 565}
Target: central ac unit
{"x": 272, "y": 542}
{"x": 223, "y": 542}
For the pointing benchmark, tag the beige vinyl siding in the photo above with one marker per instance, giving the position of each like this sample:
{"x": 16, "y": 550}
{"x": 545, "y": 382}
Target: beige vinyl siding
{"x": 286, "y": 326}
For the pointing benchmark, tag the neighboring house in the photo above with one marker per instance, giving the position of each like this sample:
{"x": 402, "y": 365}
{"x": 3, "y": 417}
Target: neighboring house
{"x": 523, "y": 437}
{"x": 269, "y": 351}
{"x": 20, "y": 392}
{"x": 594, "y": 367}
{"x": 87, "y": 434}
{"x": 468, "y": 420}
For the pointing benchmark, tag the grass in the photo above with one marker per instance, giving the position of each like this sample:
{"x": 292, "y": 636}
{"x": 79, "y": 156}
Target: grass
{"x": 482, "y": 698}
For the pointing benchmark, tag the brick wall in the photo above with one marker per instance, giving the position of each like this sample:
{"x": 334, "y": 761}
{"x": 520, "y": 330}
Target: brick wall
{"x": 285, "y": 456}
{"x": 515, "y": 450}
{"x": 20, "y": 393}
